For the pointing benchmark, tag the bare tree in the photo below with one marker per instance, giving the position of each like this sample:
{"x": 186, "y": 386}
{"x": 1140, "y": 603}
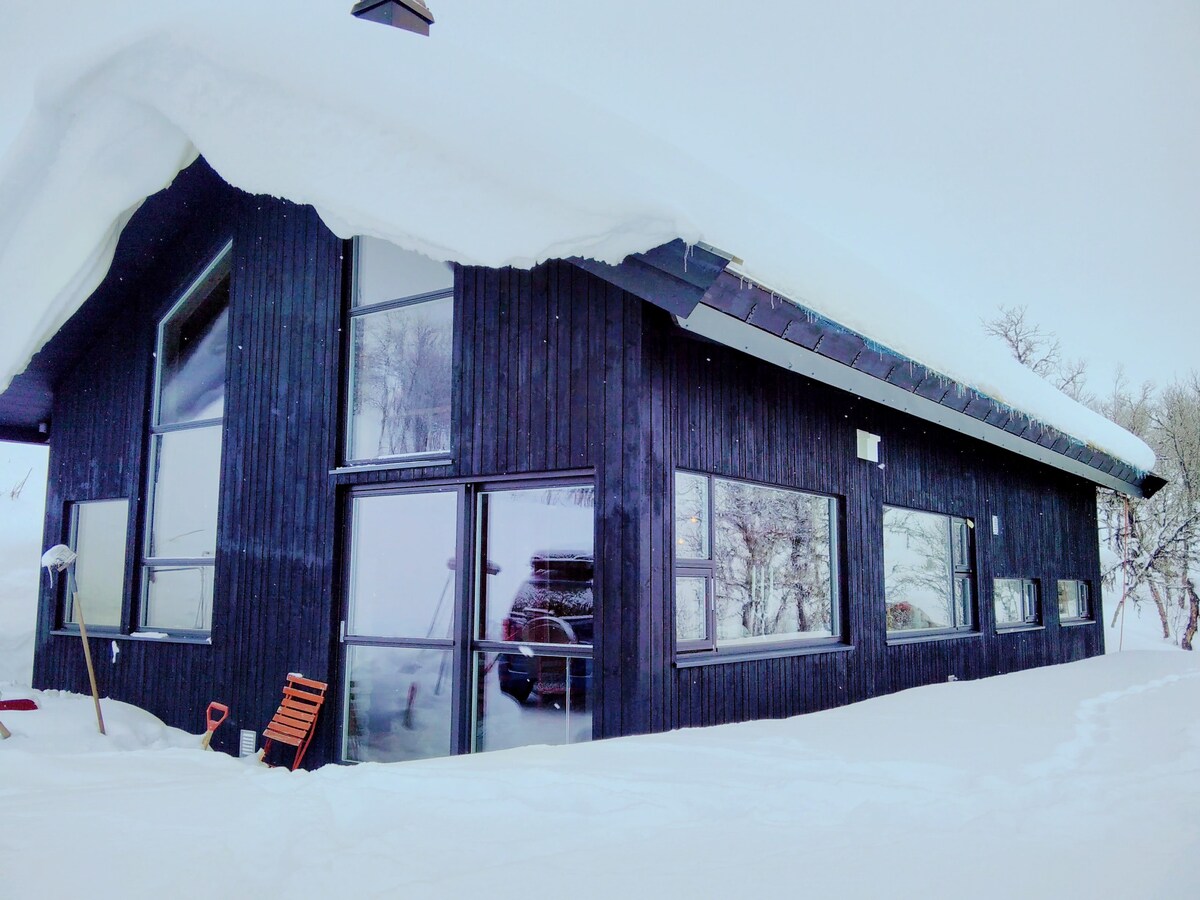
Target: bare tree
{"x": 1157, "y": 540}
{"x": 1040, "y": 351}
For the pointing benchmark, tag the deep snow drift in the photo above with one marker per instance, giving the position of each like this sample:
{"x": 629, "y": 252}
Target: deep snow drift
{"x": 535, "y": 129}
{"x": 1077, "y": 780}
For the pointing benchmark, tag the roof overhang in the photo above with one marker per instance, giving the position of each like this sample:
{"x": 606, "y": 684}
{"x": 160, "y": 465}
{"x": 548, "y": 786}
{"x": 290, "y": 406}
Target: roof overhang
{"x": 742, "y": 315}
{"x": 673, "y": 276}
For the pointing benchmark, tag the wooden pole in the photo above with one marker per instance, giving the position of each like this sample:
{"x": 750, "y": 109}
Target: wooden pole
{"x": 5, "y": 734}
{"x": 87, "y": 656}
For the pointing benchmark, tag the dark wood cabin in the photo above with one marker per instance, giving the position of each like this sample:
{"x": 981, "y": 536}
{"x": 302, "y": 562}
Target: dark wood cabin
{"x": 494, "y": 507}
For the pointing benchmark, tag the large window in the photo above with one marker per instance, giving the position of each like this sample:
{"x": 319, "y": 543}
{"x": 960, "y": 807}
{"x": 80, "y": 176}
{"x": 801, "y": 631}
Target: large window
{"x": 755, "y": 566}
{"x": 99, "y": 529}
{"x": 401, "y": 323}
{"x": 1017, "y": 602}
{"x": 185, "y": 456}
{"x": 1074, "y": 601}
{"x": 434, "y": 665}
{"x": 928, "y": 572}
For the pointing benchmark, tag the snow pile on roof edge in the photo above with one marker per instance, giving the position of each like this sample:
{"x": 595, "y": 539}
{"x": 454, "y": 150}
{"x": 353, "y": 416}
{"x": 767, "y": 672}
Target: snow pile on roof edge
{"x": 435, "y": 145}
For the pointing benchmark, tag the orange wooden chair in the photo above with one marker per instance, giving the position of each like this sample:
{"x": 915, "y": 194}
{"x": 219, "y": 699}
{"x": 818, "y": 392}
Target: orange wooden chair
{"x": 296, "y": 718}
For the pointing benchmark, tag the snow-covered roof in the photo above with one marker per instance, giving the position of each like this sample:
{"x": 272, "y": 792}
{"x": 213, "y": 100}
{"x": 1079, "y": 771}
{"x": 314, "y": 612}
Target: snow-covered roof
{"x": 517, "y": 132}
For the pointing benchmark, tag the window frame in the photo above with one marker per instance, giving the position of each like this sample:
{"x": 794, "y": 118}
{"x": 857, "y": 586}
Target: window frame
{"x": 961, "y": 571}
{"x": 210, "y": 275}
{"x": 348, "y": 639}
{"x": 464, "y": 646}
{"x": 64, "y": 603}
{"x": 708, "y": 649}
{"x": 1031, "y": 605}
{"x": 355, "y": 311}
{"x": 1083, "y": 597}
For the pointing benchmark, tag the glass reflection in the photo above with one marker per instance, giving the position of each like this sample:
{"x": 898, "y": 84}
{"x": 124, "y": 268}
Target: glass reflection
{"x": 918, "y": 575}
{"x": 178, "y": 598}
{"x": 187, "y": 470}
{"x": 773, "y": 555}
{"x": 691, "y": 608}
{"x": 386, "y": 272}
{"x": 402, "y": 561}
{"x": 539, "y": 551}
{"x": 191, "y": 355}
{"x": 530, "y": 698}
{"x": 398, "y": 703}
{"x": 691, "y": 516}
{"x": 400, "y": 381}
{"x": 100, "y": 532}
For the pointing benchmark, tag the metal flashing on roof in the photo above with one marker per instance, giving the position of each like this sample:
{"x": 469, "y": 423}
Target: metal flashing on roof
{"x": 918, "y": 391}
{"x": 672, "y": 276}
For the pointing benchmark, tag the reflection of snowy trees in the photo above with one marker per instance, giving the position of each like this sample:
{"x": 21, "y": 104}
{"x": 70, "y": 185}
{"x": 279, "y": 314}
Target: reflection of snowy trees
{"x": 1007, "y": 593}
{"x": 772, "y": 561}
{"x": 917, "y": 570}
{"x": 402, "y": 378}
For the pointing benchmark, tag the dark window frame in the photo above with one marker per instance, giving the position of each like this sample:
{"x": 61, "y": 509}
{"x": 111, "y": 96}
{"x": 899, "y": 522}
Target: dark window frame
{"x": 708, "y": 651}
{"x": 961, "y": 575}
{"x": 468, "y": 546}
{"x": 219, "y": 265}
{"x": 1031, "y": 604}
{"x": 355, "y": 311}
{"x": 348, "y": 639}
{"x": 1083, "y": 599}
{"x": 63, "y": 602}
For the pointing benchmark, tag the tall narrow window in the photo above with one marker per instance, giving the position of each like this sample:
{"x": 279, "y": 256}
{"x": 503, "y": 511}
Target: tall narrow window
{"x": 97, "y": 585}
{"x": 399, "y": 631}
{"x": 400, "y": 354}
{"x": 928, "y": 570}
{"x": 185, "y": 456}
{"x": 754, "y": 565}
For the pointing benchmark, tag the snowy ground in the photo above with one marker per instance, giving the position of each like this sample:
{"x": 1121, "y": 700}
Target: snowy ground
{"x": 1081, "y": 779}
{"x": 1072, "y": 780}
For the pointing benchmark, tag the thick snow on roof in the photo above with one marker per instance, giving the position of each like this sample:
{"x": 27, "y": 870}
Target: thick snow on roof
{"x": 524, "y": 131}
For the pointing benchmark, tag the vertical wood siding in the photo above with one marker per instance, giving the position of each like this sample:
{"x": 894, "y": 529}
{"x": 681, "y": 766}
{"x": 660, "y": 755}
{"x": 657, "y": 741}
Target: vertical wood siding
{"x": 715, "y": 410}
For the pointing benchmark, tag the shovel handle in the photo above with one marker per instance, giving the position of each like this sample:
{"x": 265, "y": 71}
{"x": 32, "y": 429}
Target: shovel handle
{"x": 214, "y": 721}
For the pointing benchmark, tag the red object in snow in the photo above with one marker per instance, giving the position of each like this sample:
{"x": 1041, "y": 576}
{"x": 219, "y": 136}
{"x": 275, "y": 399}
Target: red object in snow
{"x": 7, "y": 705}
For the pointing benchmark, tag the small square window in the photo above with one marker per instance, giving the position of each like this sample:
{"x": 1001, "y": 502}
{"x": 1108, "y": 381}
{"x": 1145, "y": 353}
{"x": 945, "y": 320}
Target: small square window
{"x": 1074, "y": 601}
{"x": 1017, "y": 603}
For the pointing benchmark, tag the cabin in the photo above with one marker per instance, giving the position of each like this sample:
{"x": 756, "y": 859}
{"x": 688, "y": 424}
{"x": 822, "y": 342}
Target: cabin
{"x": 499, "y": 507}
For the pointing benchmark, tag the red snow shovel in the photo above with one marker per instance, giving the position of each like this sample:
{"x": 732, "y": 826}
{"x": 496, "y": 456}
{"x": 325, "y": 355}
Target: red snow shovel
{"x": 6, "y": 705}
{"x": 214, "y": 721}
{"x": 13, "y": 705}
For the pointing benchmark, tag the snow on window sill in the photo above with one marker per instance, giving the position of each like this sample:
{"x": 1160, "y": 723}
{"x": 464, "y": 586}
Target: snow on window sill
{"x": 429, "y": 460}
{"x": 691, "y": 660}
{"x": 160, "y": 637}
{"x": 897, "y": 640}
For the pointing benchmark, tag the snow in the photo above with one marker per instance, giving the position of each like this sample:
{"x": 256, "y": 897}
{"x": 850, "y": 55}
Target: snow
{"x": 511, "y": 135}
{"x": 20, "y": 553}
{"x": 1079, "y": 780}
